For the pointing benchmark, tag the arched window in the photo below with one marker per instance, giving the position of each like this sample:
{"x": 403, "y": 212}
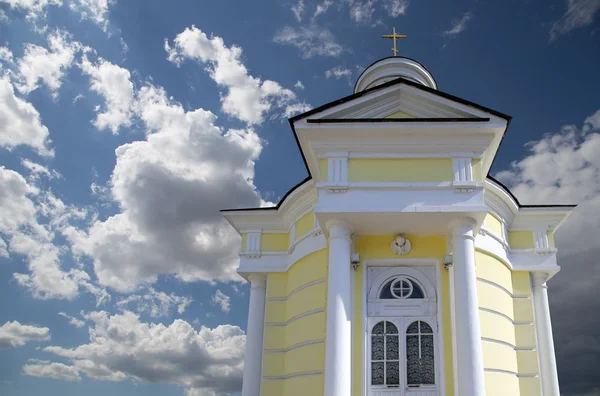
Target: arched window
{"x": 401, "y": 287}
{"x": 385, "y": 354}
{"x": 420, "y": 364}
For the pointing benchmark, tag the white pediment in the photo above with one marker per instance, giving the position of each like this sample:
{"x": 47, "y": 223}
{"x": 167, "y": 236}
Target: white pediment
{"x": 403, "y": 100}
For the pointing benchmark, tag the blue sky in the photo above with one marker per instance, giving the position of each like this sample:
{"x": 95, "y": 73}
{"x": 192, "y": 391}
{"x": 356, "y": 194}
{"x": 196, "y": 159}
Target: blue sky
{"x": 126, "y": 125}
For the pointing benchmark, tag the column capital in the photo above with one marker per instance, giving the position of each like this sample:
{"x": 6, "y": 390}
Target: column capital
{"x": 338, "y": 229}
{"x": 539, "y": 279}
{"x": 462, "y": 227}
{"x": 257, "y": 281}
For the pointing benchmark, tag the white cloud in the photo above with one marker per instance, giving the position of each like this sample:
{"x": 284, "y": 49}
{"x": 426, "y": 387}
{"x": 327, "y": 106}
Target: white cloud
{"x": 14, "y": 334}
{"x": 46, "y": 369}
{"x": 322, "y": 8}
{"x": 396, "y": 8}
{"x": 95, "y": 10}
{"x": 155, "y": 303}
{"x": 21, "y": 223}
{"x": 48, "y": 66}
{"x": 299, "y": 85}
{"x": 34, "y": 8}
{"x": 298, "y": 10}
{"x": 362, "y": 12}
{"x": 73, "y": 320}
{"x": 579, "y": 13}
{"x": 565, "y": 168}
{"x": 310, "y": 40}
{"x": 291, "y": 111}
{"x": 338, "y": 72}
{"x": 170, "y": 188}
{"x": 222, "y": 300}
{"x": 37, "y": 171}
{"x": 20, "y": 122}
{"x": 121, "y": 347}
{"x": 459, "y": 25}
{"x": 248, "y": 98}
{"x": 114, "y": 84}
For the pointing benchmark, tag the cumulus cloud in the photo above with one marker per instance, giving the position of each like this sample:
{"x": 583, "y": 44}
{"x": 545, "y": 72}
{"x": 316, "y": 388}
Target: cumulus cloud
{"x": 114, "y": 84}
{"x": 310, "y": 40}
{"x": 14, "y": 334}
{"x": 33, "y": 9}
{"x": 45, "y": 369}
{"x": 338, "y": 72}
{"x": 155, "y": 303}
{"x": 299, "y": 85}
{"x": 20, "y": 122}
{"x": 222, "y": 300}
{"x": 48, "y": 66}
{"x": 565, "y": 168}
{"x": 122, "y": 347}
{"x": 170, "y": 188}
{"x": 579, "y": 13}
{"x": 95, "y": 10}
{"x": 247, "y": 98}
{"x": 30, "y": 229}
{"x": 459, "y": 25}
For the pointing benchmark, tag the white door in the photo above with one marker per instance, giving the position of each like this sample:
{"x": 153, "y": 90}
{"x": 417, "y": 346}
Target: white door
{"x": 402, "y": 356}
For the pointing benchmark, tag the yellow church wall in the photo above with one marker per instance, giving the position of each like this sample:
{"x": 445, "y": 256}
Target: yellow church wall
{"x": 274, "y": 242}
{"x": 521, "y": 239}
{"x": 400, "y": 170}
{"x": 493, "y": 224}
{"x": 295, "y": 327}
{"x": 400, "y": 114}
{"x": 305, "y": 224}
{"x": 550, "y": 235}
{"x": 501, "y": 384}
{"x": 506, "y": 318}
{"x": 378, "y": 247}
{"x": 476, "y": 169}
{"x": 244, "y": 241}
{"x": 323, "y": 169}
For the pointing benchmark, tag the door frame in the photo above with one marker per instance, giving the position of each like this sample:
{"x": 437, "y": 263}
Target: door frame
{"x": 407, "y": 263}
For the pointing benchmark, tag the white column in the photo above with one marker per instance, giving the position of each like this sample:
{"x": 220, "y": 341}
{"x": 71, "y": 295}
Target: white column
{"x": 469, "y": 356}
{"x": 338, "y": 337}
{"x": 254, "y": 336}
{"x": 545, "y": 341}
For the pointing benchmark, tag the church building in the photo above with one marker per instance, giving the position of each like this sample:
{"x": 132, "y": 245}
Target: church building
{"x": 399, "y": 266}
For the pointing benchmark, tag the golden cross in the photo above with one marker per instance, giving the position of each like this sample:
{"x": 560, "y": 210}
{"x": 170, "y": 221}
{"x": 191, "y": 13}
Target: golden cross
{"x": 394, "y": 37}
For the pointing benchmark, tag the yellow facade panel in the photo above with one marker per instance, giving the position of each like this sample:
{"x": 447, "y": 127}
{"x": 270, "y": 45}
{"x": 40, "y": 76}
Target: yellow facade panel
{"x": 477, "y": 170}
{"x": 305, "y": 385}
{"x": 500, "y": 384}
{"x": 274, "y": 337}
{"x": 496, "y": 327}
{"x": 493, "y": 224}
{"x": 323, "y": 169}
{"x": 305, "y": 224}
{"x": 525, "y": 336}
{"x": 493, "y": 270}
{"x": 276, "y": 285}
{"x": 306, "y": 358}
{"x": 495, "y": 299}
{"x": 400, "y": 170}
{"x": 499, "y": 357}
{"x": 274, "y": 242}
{"x": 530, "y": 386}
{"x": 527, "y": 362}
{"x": 275, "y": 311}
{"x": 521, "y": 239}
{"x": 272, "y": 387}
{"x": 273, "y": 364}
{"x": 306, "y": 300}
{"x": 523, "y": 310}
{"x": 521, "y": 283}
{"x": 308, "y": 269}
{"x": 308, "y": 328}
{"x": 244, "y": 241}
{"x": 550, "y": 235}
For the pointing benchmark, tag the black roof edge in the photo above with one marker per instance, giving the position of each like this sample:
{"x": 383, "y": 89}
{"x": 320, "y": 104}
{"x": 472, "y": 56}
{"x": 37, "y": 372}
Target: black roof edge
{"x": 388, "y": 57}
{"x": 387, "y": 120}
{"x": 395, "y": 81}
{"x": 506, "y": 190}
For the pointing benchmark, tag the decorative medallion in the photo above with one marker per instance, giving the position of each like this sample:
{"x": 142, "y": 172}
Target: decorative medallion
{"x": 401, "y": 246}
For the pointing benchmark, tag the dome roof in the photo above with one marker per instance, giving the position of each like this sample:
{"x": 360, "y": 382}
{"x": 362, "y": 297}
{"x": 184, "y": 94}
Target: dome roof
{"x": 387, "y": 69}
